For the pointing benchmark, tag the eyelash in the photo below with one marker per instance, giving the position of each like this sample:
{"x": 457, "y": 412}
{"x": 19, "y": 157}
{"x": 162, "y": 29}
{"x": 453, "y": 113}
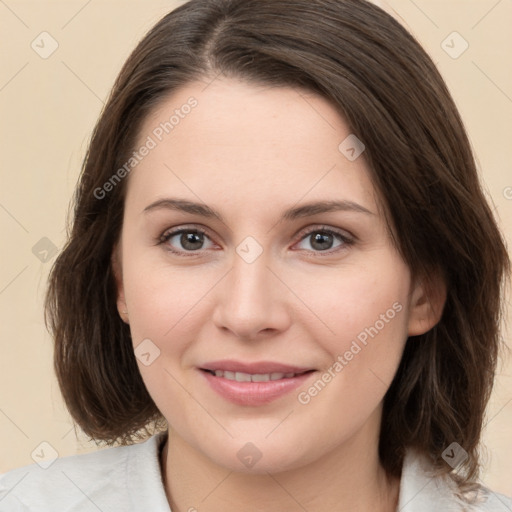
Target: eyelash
{"x": 347, "y": 241}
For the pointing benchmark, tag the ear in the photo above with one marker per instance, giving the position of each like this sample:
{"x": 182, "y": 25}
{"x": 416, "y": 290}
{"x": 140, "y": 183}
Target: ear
{"x": 428, "y": 297}
{"x": 117, "y": 270}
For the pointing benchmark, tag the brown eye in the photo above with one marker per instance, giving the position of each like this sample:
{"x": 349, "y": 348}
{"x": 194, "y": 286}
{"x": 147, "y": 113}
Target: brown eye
{"x": 191, "y": 241}
{"x": 323, "y": 240}
{"x": 185, "y": 240}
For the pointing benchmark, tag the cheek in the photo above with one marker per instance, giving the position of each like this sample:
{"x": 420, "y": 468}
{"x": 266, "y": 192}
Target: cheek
{"x": 355, "y": 302}
{"x": 163, "y": 299}
{"x": 363, "y": 360}
{"x": 164, "y": 304}
{"x": 366, "y": 312}
{"x": 369, "y": 319}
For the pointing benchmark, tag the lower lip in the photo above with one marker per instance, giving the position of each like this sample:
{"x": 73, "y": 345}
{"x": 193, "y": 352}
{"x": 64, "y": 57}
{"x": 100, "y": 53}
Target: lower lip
{"x": 254, "y": 393}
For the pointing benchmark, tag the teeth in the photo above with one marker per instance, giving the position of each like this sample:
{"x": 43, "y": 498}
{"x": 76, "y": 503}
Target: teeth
{"x": 260, "y": 377}
{"x": 256, "y": 377}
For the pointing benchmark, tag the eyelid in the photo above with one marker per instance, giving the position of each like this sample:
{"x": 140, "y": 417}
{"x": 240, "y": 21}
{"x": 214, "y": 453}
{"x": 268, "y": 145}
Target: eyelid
{"x": 170, "y": 232}
{"x": 346, "y": 237}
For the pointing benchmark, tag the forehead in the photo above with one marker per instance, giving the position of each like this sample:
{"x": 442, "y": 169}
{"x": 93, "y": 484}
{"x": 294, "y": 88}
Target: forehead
{"x": 233, "y": 142}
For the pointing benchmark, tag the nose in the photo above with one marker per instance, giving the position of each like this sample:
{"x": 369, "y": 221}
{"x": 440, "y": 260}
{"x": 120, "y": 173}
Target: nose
{"x": 252, "y": 301}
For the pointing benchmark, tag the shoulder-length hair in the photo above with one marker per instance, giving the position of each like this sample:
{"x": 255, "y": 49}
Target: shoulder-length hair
{"x": 389, "y": 92}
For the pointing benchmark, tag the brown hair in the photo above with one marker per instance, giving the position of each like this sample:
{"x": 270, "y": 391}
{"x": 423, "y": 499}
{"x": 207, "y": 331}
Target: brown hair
{"x": 393, "y": 98}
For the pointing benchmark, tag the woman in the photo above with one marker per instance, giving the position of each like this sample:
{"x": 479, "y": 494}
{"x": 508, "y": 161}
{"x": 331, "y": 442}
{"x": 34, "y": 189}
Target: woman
{"x": 282, "y": 259}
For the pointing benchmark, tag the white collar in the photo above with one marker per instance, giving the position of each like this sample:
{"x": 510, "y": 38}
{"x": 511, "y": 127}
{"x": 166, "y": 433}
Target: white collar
{"x": 422, "y": 491}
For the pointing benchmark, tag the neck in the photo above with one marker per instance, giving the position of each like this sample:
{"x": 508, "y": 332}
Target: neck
{"x": 349, "y": 478}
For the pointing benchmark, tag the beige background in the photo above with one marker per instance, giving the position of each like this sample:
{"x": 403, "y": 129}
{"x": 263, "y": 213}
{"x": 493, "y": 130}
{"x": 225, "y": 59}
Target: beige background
{"x": 48, "y": 109}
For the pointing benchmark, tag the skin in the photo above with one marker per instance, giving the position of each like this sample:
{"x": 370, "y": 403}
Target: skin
{"x": 250, "y": 153}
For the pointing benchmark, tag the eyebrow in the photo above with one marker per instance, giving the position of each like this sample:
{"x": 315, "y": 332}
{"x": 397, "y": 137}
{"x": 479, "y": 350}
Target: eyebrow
{"x": 305, "y": 210}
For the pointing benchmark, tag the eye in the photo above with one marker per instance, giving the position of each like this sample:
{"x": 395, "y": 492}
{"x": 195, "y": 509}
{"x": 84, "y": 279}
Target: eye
{"x": 186, "y": 240}
{"x": 325, "y": 240}
{"x": 192, "y": 241}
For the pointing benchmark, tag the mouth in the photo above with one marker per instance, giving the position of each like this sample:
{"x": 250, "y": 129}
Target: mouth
{"x": 254, "y": 377}
{"x": 253, "y": 384}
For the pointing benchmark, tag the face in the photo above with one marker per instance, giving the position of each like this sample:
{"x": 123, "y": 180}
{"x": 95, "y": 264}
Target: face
{"x": 265, "y": 327}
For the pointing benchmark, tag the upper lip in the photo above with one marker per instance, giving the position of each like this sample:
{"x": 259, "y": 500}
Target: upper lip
{"x": 259, "y": 367}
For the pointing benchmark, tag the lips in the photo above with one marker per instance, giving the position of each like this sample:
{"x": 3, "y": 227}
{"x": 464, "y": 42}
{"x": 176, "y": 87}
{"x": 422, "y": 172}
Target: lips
{"x": 261, "y": 367}
{"x": 253, "y": 384}
{"x": 255, "y": 377}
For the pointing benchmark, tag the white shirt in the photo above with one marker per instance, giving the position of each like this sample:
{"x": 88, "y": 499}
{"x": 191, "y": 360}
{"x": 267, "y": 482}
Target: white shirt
{"x": 128, "y": 479}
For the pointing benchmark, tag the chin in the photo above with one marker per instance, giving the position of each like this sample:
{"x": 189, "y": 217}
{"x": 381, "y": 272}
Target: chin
{"x": 259, "y": 458}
